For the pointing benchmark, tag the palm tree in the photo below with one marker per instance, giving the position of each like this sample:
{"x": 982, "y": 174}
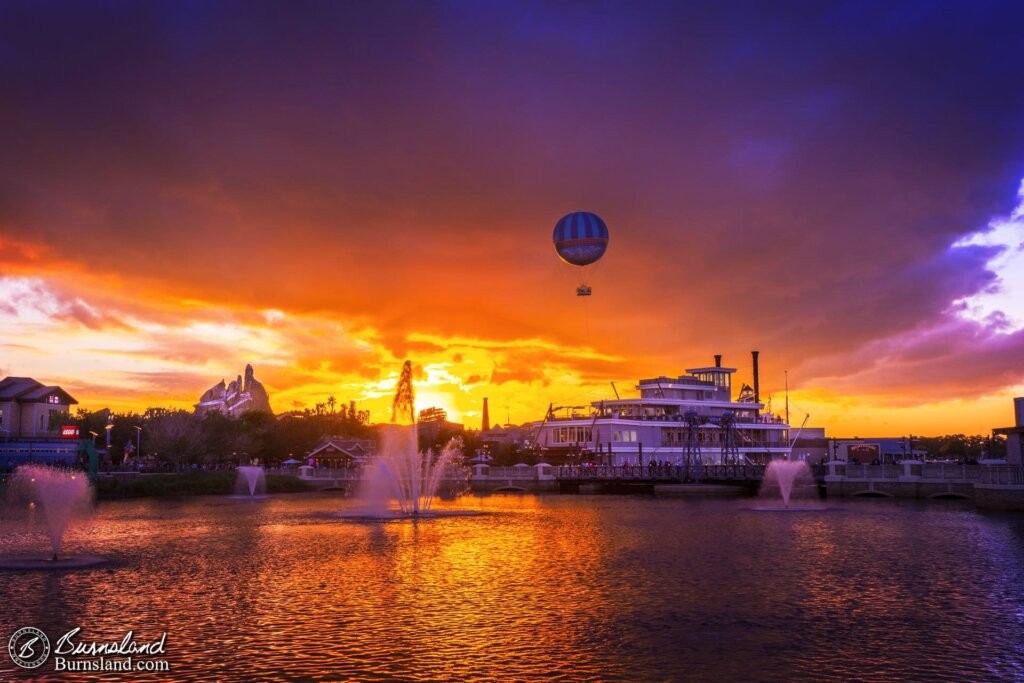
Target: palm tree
{"x": 331, "y": 402}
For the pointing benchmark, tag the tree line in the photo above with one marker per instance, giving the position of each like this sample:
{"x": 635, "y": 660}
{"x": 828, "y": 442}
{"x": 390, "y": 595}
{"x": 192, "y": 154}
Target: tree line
{"x": 962, "y": 447}
{"x": 180, "y": 437}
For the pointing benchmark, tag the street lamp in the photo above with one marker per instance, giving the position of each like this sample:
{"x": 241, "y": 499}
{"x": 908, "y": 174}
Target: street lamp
{"x": 138, "y": 441}
{"x": 109, "y": 428}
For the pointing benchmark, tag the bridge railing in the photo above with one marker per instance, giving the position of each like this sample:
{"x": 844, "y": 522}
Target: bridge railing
{"x": 856, "y": 471}
{"x": 1002, "y": 474}
{"x": 742, "y": 472}
{"x": 737, "y": 472}
{"x": 512, "y": 472}
{"x": 595, "y": 472}
{"x": 331, "y": 473}
{"x": 951, "y": 471}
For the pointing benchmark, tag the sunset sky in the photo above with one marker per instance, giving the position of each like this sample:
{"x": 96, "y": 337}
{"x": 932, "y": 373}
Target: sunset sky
{"x": 326, "y": 189}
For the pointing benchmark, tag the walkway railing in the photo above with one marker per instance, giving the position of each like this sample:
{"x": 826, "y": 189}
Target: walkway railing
{"x": 932, "y": 471}
{"x": 512, "y": 472}
{"x": 1002, "y": 474}
{"x": 339, "y": 473}
{"x": 855, "y": 471}
{"x": 618, "y": 472}
{"x": 661, "y": 473}
{"x": 951, "y": 471}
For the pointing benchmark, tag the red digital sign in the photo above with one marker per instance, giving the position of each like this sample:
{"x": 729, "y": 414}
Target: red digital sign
{"x": 69, "y": 432}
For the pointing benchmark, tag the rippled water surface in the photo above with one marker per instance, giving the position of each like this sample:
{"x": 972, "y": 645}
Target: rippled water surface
{"x": 572, "y": 587}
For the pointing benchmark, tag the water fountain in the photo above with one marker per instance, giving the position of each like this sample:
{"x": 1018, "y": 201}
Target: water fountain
{"x": 63, "y": 496}
{"x": 251, "y": 482}
{"x": 788, "y": 481}
{"x": 402, "y": 481}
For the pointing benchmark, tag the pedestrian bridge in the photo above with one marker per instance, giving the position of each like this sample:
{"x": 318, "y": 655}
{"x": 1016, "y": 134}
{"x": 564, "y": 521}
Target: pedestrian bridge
{"x": 997, "y": 486}
{"x": 674, "y": 474}
{"x": 991, "y": 486}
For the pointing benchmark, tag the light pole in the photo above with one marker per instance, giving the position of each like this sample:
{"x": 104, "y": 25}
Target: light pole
{"x": 138, "y": 441}
{"x": 109, "y": 428}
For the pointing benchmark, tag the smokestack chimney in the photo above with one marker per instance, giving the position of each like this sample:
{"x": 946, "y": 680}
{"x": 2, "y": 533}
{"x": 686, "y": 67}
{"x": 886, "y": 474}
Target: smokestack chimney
{"x": 757, "y": 379}
{"x": 718, "y": 360}
{"x": 487, "y": 419}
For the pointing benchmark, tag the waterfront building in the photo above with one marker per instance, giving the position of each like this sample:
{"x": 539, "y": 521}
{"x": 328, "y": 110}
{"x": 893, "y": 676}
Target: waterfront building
{"x": 1014, "y": 435}
{"x": 692, "y": 418}
{"x": 508, "y": 435}
{"x": 885, "y": 450}
{"x": 29, "y": 428}
{"x": 813, "y": 447}
{"x": 340, "y": 451}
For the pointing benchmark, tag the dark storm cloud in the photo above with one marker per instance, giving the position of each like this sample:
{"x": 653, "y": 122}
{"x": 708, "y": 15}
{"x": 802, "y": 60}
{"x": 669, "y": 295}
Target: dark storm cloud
{"x": 782, "y": 175}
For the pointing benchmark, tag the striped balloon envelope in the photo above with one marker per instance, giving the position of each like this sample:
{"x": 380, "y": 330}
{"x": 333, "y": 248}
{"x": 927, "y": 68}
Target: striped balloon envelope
{"x": 581, "y": 238}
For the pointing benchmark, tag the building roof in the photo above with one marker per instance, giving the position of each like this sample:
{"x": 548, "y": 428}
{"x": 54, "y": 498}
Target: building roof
{"x": 336, "y": 445}
{"x": 713, "y": 368}
{"x": 28, "y": 390}
{"x": 12, "y": 387}
{"x": 1006, "y": 431}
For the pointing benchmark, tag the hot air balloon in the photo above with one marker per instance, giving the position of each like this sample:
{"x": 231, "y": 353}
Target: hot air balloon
{"x": 581, "y": 238}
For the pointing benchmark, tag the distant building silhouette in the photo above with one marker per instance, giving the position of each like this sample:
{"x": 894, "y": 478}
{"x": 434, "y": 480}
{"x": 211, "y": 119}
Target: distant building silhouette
{"x": 238, "y": 397}
{"x": 432, "y": 424}
{"x": 487, "y": 418}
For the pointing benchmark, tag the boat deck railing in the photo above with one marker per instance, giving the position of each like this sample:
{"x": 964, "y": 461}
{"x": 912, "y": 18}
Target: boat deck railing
{"x": 676, "y": 419}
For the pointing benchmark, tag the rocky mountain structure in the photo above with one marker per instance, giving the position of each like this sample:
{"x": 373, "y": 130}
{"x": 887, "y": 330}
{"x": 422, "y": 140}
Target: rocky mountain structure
{"x": 240, "y": 396}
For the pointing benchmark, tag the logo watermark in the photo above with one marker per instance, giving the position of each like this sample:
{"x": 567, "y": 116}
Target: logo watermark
{"x": 30, "y": 648}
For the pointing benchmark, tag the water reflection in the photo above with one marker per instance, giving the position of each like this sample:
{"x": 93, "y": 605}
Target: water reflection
{"x": 579, "y": 587}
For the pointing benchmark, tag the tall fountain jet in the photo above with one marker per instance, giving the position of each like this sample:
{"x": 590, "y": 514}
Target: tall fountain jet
{"x": 400, "y": 472}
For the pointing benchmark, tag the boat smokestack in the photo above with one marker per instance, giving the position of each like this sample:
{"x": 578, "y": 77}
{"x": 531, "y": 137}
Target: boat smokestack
{"x": 718, "y": 360}
{"x": 486, "y": 422}
{"x": 757, "y": 379}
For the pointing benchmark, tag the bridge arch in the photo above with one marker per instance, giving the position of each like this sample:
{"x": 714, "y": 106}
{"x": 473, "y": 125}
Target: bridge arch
{"x": 871, "y": 493}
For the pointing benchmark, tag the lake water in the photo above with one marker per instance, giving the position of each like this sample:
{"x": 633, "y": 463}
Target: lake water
{"x": 552, "y": 587}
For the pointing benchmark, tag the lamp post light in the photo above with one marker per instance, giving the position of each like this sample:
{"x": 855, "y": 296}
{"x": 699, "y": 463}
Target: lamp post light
{"x": 109, "y": 428}
{"x": 138, "y": 441}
